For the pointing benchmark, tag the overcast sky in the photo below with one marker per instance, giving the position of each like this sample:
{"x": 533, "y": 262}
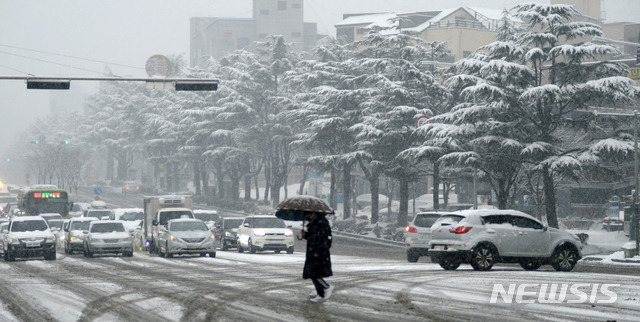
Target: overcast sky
{"x": 123, "y": 34}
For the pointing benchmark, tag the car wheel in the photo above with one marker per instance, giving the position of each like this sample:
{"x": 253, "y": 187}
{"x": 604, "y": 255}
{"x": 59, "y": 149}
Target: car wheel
{"x": 203, "y": 254}
{"x": 483, "y": 257}
{"x": 412, "y": 257}
{"x": 449, "y": 263}
{"x": 50, "y": 256}
{"x": 224, "y": 245}
{"x": 66, "y": 250}
{"x": 212, "y": 254}
{"x": 564, "y": 259}
{"x": 9, "y": 256}
{"x": 152, "y": 247}
{"x": 277, "y": 251}
{"x": 290, "y": 250}
{"x": 240, "y": 249}
{"x": 166, "y": 250}
{"x": 160, "y": 252}
{"x": 252, "y": 249}
{"x": 530, "y": 264}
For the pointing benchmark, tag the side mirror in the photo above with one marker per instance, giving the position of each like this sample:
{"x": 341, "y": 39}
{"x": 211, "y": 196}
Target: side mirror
{"x": 154, "y": 222}
{"x": 246, "y": 225}
{"x": 85, "y": 232}
{"x": 545, "y": 228}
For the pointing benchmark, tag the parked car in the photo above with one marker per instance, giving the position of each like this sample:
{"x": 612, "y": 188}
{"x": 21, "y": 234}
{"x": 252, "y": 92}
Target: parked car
{"x": 264, "y": 233}
{"x": 613, "y": 223}
{"x": 29, "y": 236}
{"x": 75, "y": 233}
{"x": 210, "y": 217}
{"x": 186, "y": 236}
{"x": 418, "y": 234}
{"x": 131, "y": 187}
{"x": 485, "y": 237}
{"x": 226, "y": 231}
{"x": 108, "y": 237}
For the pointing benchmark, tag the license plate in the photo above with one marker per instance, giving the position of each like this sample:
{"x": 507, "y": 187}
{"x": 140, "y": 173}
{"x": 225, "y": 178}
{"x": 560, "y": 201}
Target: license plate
{"x": 424, "y": 236}
{"x": 439, "y": 247}
{"x": 33, "y": 244}
{"x": 193, "y": 246}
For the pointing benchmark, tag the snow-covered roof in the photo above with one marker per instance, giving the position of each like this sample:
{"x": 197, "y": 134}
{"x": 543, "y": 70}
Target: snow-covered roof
{"x": 377, "y": 19}
{"x": 386, "y": 19}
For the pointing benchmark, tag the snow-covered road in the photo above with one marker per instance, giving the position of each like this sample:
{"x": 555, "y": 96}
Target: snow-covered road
{"x": 269, "y": 287}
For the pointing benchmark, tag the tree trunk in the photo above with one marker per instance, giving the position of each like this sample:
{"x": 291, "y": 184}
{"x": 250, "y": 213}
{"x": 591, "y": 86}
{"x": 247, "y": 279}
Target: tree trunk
{"x": 303, "y": 180}
{"x": 257, "y": 188}
{"x": 346, "y": 190}
{"x": 375, "y": 196}
{"x": 196, "y": 177}
{"x": 436, "y": 185}
{"x": 219, "y": 181}
{"x": 550, "y": 197}
{"x": 333, "y": 189}
{"x": 247, "y": 188}
{"x": 403, "y": 212}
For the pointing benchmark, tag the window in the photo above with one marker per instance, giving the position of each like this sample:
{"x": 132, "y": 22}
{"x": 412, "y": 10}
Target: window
{"x": 425, "y": 220}
{"x": 523, "y": 222}
{"x": 264, "y": 12}
{"x": 497, "y": 219}
{"x": 282, "y": 5}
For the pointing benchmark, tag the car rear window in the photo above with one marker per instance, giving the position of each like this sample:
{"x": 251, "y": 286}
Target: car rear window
{"x": 107, "y": 227}
{"x": 425, "y": 220}
{"x": 449, "y": 219}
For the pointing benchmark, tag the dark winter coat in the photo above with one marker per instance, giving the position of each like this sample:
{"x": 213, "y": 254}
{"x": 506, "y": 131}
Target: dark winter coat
{"x": 318, "y": 236}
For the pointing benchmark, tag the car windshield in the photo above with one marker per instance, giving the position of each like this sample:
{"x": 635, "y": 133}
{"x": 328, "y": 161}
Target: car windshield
{"x": 188, "y": 226}
{"x": 98, "y": 213}
{"x": 206, "y": 216}
{"x": 173, "y": 214}
{"x": 132, "y": 216}
{"x": 232, "y": 223}
{"x": 55, "y": 223}
{"x": 268, "y": 223}
{"x": 80, "y": 225}
{"x": 425, "y": 220}
{"x": 29, "y": 225}
{"x": 107, "y": 227}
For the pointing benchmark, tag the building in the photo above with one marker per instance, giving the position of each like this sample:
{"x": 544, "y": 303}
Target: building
{"x": 464, "y": 29}
{"x": 216, "y": 37}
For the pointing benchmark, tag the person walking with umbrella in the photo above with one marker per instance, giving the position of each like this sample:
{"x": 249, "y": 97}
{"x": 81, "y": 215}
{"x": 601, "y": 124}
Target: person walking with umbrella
{"x": 317, "y": 264}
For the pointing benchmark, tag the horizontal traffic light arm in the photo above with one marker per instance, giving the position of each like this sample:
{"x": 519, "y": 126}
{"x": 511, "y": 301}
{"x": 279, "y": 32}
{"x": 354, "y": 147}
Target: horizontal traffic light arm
{"x": 180, "y": 84}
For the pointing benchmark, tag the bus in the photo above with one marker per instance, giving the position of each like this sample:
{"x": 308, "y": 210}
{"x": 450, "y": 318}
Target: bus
{"x": 39, "y": 201}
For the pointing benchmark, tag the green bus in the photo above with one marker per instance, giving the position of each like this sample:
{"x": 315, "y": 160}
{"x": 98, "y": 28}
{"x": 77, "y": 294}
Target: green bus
{"x": 40, "y": 201}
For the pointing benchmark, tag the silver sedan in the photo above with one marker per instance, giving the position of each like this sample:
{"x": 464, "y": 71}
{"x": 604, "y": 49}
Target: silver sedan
{"x": 186, "y": 236}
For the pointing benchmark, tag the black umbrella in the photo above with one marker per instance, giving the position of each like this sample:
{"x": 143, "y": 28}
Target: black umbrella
{"x": 294, "y": 208}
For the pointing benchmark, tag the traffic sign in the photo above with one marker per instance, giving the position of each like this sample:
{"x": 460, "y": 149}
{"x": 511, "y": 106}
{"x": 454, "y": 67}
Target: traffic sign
{"x": 97, "y": 190}
{"x": 422, "y": 120}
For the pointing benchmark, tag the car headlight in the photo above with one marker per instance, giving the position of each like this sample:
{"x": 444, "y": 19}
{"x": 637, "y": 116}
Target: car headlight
{"x": 259, "y": 233}
{"x": 213, "y": 237}
{"x": 288, "y": 233}
{"x": 228, "y": 234}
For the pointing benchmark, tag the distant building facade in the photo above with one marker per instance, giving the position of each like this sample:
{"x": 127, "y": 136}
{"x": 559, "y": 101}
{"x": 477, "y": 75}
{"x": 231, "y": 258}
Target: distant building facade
{"x": 216, "y": 37}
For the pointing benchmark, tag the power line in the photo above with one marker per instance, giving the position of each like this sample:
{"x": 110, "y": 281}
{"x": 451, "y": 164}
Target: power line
{"x": 50, "y": 62}
{"x": 74, "y": 57}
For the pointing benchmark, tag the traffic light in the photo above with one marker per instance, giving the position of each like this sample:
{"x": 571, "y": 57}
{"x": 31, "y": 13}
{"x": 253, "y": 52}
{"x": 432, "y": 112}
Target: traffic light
{"x": 196, "y": 85}
{"x": 48, "y": 84}
{"x": 35, "y": 142}
{"x": 66, "y": 141}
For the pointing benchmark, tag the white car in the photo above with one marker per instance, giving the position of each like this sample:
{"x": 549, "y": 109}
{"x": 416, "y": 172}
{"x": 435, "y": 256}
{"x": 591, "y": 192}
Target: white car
{"x": 131, "y": 216}
{"x": 75, "y": 232}
{"x": 186, "y": 236}
{"x": 108, "y": 237}
{"x": 418, "y": 233}
{"x": 264, "y": 233}
{"x": 210, "y": 217}
{"x": 485, "y": 237}
{"x": 29, "y": 236}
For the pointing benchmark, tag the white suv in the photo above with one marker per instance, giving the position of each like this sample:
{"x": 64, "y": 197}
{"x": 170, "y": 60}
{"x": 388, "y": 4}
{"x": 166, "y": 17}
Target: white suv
{"x": 264, "y": 233}
{"x": 485, "y": 237}
{"x": 29, "y": 236}
{"x": 418, "y": 233}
